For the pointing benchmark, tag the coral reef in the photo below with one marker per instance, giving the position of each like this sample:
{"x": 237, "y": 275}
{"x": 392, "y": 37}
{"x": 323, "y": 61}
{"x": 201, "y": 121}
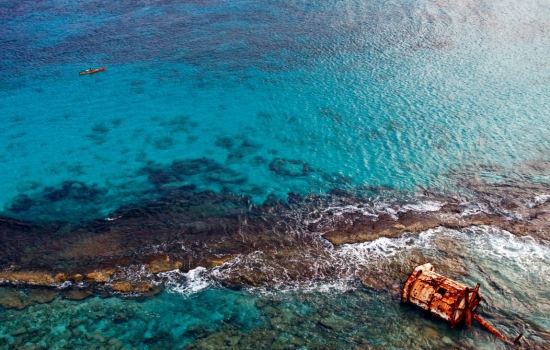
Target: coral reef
{"x": 129, "y": 252}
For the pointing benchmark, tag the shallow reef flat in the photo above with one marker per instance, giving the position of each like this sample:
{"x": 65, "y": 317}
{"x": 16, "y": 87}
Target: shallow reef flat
{"x": 223, "y": 320}
{"x": 129, "y": 251}
{"x": 203, "y": 270}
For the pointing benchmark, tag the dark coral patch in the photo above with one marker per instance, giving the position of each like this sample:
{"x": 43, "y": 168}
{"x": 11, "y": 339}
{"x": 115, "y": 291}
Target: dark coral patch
{"x": 233, "y": 158}
{"x": 195, "y": 166}
{"x": 20, "y": 203}
{"x": 289, "y": 167}
{"x": 116, "y": 122}
{"x": 396, "y": 126}
{"x": 182, "y": 170}
{"x": 99, "y": 133}
{"x": 328, "y": 112}
{"x": 160, "y": 177}
{"x": 177, "y": 124}
{"x": 371, "y": 135}
{"x": 245, "y": 149}
{"x": 265, "y": 115}
{"x": 73, "y": 201}
{"x": 227, "y": 176}
{"x": 163, "y": 143}
{"x": 248, "y": 147}
{"x": 257, "y": 161}
{"x": 100, "y": 129}
{"x": 225, "y": 142}
{"x": 73, "y": 190}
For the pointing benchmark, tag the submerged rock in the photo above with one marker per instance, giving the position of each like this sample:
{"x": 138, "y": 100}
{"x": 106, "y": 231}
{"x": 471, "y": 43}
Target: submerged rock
{"x": 132, "y": 287}
{"x": 115, "y": 344}
{"x": 351, "y": 228}
{"x": 336, "y": 323}
{"x": 19, "y": 331}
{"x": 77, "y": 294}
{"x": 218, "y": 340}
{"x": 75, "y": 322}
{"x": 120, "y": 318}
{"x": 98, "y": 337}
{"x": 42, "y": 296}
{"x": 11, "y": 299}
{"x": 447, "y": 341}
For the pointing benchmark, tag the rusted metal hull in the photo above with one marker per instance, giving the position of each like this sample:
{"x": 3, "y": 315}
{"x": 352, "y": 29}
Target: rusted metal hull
{"x": 445, "y": 298}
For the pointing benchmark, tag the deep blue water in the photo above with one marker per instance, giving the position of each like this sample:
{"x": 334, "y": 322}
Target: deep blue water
{"x": 265, "y": 98}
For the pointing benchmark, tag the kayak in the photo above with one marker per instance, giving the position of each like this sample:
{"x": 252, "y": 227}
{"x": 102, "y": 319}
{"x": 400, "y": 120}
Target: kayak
{"x": 92, "y": 71}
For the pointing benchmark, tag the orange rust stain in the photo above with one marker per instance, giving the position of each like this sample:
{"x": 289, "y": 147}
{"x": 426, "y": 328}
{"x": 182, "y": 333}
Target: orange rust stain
{"x": 445, "y": 298}
{"x": 441, "y": 296}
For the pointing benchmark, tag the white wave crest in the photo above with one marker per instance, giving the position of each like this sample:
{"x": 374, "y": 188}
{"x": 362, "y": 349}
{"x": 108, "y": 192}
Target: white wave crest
{"x": 187, "y": 283}
{"x": 377, "y": 208}
{"x": 538, "y": 200}
{"x": 352, "y": 209}
{"x": 485, "y": 245}
{"x": 325, "y": 268}
{"x": 423, "y": 207}
{"x": 501, "y": 246}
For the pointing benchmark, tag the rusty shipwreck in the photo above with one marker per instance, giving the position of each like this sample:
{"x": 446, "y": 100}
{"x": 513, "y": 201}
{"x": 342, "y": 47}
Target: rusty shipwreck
{"x": 447, "y": 299}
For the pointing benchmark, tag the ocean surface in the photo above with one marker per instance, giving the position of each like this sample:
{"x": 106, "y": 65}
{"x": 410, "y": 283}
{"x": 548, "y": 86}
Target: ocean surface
{"x": 263, "y": 99}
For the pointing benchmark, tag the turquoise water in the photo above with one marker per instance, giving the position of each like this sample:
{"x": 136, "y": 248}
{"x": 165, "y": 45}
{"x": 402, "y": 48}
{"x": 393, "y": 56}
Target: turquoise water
{"x": 364, "y": 93}
{"x": 262, "y": 99}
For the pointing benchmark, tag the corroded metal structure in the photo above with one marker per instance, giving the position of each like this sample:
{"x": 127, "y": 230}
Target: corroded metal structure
{"x": 445, "y": 298}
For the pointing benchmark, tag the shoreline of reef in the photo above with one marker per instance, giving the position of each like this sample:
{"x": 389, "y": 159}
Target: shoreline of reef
{"x": 128, "y": 253}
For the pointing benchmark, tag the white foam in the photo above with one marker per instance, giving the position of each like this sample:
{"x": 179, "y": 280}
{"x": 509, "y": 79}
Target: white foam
{"x": 330, "y": 269}
{"x": 423, "y": 207}
{"x": 353, "y": 258}
{"x": 372, "y": 209}
{"x": 313, "y": 221}
{"x": 482, "y": 242}
{"x": 525, "y": 252}
{"x": 538, "y": 200}
{"x": 351, "y": 209}
{"x": 64, "y": 285}
{"x": 191, "y": 282}
{"x": 469, "y": 209}
{"x": 385, "y": 208}
{"x": 338, "y": 287}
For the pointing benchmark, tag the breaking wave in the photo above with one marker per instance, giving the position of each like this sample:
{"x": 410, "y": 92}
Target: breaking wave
{"x": 187, "y": 283}
{"x": 381, "y": 262}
